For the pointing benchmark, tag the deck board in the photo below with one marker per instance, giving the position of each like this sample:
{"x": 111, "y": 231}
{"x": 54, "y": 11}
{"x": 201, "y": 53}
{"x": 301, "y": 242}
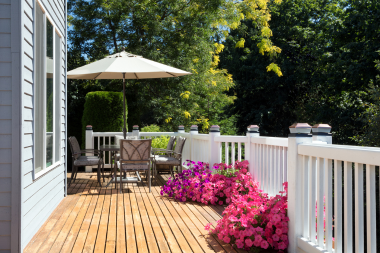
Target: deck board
{"x": 100, "y": 219}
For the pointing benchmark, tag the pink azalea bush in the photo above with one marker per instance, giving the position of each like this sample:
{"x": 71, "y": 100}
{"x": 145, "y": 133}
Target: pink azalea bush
{"x": 251, "y": 221}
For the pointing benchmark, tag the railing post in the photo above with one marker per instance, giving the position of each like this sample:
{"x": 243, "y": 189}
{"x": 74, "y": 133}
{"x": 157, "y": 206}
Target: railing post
{"x": 193, "y": 131}
{"x": 321, "y": 132}
{"x": 89, "y": 144}
{"x": 252, "y": 131}
{"x": 299, "y": 133}
{"x": 136, "y": 131}
{"x": 214, "y": 147}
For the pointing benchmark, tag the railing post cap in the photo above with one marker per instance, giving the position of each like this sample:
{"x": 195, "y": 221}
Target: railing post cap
{"x": 194, "y": 128}
{"x": 215, "y": 128}
{"x": 253, "y": 128}
{"x": 88, "y": 127}
{"x": 181, "y": 127}
{"x": 135, "y": 127}
{"x": 300, "y": 128}
{"x": 321, "y": 128}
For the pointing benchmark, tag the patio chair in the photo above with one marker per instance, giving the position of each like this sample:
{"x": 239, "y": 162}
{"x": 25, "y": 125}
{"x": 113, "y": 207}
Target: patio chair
{"x": 135, "y": 156}
{"x": 175, "y": 158}
{"x": 79, "y": 160}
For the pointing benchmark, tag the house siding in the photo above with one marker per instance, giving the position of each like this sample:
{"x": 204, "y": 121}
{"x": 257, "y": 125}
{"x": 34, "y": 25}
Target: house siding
{"x": 40, "y": 196}
{"x": 5, "y": 126}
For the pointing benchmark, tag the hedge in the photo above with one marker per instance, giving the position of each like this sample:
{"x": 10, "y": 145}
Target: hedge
{"x": 104, "y": 111}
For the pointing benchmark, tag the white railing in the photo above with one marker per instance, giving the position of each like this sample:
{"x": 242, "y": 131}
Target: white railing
{"x": 323, "y": 169}
{"x": 270, "y": 163}
{"x": 315, "y": 171}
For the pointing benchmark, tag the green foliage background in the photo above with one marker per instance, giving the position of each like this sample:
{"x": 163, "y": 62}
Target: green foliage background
{"x": 104, "y": 111}
{"x": 327, "y": 60}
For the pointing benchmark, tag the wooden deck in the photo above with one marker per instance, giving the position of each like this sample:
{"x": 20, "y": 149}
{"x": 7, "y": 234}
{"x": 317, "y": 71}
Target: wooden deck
{"x": 94, "y": 219}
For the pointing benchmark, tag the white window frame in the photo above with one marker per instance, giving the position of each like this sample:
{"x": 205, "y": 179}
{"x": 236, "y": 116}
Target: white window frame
{"x": 56, "y": 99}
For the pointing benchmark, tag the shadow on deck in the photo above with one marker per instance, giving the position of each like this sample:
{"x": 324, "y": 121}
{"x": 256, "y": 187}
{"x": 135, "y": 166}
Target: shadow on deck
{"x": 94, "y": 219}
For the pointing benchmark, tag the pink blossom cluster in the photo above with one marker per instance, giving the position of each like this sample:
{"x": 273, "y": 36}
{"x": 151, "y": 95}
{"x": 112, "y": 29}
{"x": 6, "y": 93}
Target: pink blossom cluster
{"x": 255, "y": 220}
{"x": 251, "y": 219}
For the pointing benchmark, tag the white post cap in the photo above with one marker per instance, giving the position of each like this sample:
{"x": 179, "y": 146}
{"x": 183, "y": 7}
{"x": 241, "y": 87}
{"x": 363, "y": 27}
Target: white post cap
{"x": 253, "y": 128}
{"x": 300, "y": 128}
{"x": 194, "y": 128}
{"x": 215, "y": 128}
{"x": 321, "y": 128}
{"x": 135, "y": 127}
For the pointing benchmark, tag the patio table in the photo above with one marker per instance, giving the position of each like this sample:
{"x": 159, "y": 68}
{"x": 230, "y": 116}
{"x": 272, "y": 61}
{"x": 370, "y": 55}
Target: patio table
{"x": 114, "y": 149}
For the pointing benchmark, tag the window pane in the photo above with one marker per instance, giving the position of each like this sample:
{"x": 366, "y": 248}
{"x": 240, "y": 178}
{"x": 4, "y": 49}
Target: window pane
{"x": 39, "y": 119}
{"x": 58, "y": 100}
{"x": 49, "y": 92}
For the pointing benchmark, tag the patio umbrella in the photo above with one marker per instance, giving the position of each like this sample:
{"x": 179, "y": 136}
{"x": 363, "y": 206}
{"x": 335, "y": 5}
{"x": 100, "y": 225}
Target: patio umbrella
{"x": 125, "y": 65}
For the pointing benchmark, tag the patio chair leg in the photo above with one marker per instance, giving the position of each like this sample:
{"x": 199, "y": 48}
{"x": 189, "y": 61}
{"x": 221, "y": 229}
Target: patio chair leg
{"x": 171, "y": 171}
{"x": 121, "y": 182}
{"x": 98, "y": 174}
{"x": 150, "y": 182}
{"x": 72, "y": 175}
{"x": 103, "y": 172}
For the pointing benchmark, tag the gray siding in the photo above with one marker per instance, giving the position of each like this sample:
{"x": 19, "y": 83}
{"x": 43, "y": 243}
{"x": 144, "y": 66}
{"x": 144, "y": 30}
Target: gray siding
{"x": 40, "y": 196}
{"x": 5, "y": 125}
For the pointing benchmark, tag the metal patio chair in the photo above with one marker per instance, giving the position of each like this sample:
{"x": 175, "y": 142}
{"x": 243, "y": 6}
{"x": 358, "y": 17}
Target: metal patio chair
{"x": 135, "y": 156}
{"x": 175, "y": 158}
{"x": 79, "y": 160}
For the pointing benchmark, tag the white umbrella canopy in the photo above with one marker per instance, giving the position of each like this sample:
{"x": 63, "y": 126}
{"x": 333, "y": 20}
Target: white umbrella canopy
{"x": 134, "y": 67}
{"x": 125, "y": 65}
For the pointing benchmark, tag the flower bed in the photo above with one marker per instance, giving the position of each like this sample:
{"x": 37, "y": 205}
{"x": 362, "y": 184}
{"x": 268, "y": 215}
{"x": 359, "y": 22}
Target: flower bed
{"x": 251, "y": 221}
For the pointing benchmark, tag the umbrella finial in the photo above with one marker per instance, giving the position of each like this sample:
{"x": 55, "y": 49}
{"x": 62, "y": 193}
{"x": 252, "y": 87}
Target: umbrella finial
{"x": 123, "y": 48}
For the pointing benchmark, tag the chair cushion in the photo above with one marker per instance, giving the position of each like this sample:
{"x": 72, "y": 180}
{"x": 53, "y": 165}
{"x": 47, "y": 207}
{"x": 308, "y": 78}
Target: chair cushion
{"x": 167, "y": 160}
{"x": 87, "y": 161}
{"x": 134, "y": 166}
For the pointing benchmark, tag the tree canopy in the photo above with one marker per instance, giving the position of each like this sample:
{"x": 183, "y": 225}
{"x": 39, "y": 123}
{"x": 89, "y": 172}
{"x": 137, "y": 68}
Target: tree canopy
{"x": 327, "y": 61}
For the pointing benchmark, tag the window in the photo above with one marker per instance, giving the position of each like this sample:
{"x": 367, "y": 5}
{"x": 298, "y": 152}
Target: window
{"x": 47, "y": 93}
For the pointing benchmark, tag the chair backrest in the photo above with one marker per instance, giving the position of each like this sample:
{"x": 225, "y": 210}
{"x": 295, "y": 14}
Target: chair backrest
{"x": 74, "y": 146}
{"x": 135, "y": 150}
{"x": 171, "y": 143}
{"x": 179, "y": 146}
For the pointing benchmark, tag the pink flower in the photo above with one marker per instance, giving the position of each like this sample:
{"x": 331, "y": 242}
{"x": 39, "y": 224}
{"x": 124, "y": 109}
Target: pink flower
{"x": 227, "y": 239}
{"x": 275, "y": 237}
{"x": 207, "y": 227}
{"x": 221, "y": 203}
{"x": 184, "y": 199}
{"x": 248, "y": 242}
{"x": 239, "y": 243}
{"x": 281, "y": 246}
{"x": 264, "y": 244}
{"x": 278, "y": 231}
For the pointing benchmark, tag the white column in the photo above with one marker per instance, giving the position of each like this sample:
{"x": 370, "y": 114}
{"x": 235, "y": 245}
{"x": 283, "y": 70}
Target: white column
{"x": 214, "y": 147}
{"x": 136, "y": 131}
{"x": 89, "y": 144}
{"x": 193, "y": 131}
{"x": 299, "y": 133}
{"x": 252, "y": 131}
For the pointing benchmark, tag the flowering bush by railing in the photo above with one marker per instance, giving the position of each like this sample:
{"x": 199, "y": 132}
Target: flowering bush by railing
{"x": 252, "y": 221}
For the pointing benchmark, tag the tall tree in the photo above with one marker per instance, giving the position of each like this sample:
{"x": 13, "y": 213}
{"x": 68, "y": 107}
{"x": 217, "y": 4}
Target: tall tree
{"x": 183, "y": 34}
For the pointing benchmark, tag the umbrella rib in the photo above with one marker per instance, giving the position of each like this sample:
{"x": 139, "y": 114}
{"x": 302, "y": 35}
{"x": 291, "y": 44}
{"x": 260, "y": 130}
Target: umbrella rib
{"x": 171, "y": 74}
{"x": 136, "y": 76}
{"x": 97, "y": 76}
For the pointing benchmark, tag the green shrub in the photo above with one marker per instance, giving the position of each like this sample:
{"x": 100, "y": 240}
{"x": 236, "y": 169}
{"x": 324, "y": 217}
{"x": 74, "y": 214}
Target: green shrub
{"x": 151, "y": 128}
{"x": 157, "y": 142}
{"x": 104, "y": 111}
{"x": 160, "y": 142}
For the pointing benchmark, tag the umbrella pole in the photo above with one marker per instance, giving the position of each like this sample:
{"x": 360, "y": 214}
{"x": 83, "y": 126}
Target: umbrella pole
{"x": 124, "y": 128}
